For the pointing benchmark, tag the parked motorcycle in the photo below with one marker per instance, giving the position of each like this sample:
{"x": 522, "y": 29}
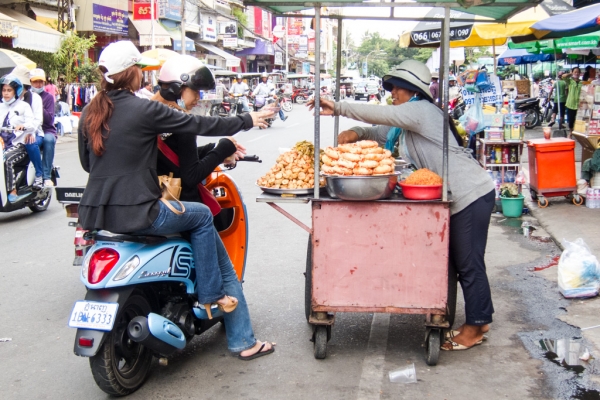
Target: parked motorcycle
{"x": 300, "y": 96}
{"x": 141, "y": 296}
{"x": 229, "y": 107}
{"x": 546, "y": 109}
{"x": 36, "y": 200}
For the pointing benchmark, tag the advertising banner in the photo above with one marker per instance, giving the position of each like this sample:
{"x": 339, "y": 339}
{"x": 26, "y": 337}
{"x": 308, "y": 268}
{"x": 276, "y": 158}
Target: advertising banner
{"x": 209, "y": 28}
{"x": 302, "y": 47}
{"x": 109, "y": 20}
{"x": 488, "y": 97}
{"x": 230, "y": 42}
{"x": 278, "y": 58}
{"x": 306, "y": 68}
{"x": 295, "y": 26}
{"x": 143, "y": 11}
{"x": 228, "y": 28}
{"x": 169, "y": 9}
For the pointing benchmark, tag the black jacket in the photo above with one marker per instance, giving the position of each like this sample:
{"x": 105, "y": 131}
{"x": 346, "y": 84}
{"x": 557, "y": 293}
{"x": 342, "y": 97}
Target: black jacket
{"x": 195, "y": 163}
{"x": 122, "y": 191}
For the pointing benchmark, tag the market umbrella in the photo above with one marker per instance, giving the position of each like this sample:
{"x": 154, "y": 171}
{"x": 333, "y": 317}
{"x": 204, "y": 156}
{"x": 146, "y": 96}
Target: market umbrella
{"x": 159, "y": 54}
{"x": 10, "y": 59}
{"x": 578, "y": 22}
{"x": 522, "y": 56}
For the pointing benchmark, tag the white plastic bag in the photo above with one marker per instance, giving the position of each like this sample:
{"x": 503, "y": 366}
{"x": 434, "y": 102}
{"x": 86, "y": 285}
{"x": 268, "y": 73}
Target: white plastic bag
{"x": 578, "y": 271}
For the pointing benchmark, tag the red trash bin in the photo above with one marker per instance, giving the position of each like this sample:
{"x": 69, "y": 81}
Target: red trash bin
{"x": 552, "y": 170}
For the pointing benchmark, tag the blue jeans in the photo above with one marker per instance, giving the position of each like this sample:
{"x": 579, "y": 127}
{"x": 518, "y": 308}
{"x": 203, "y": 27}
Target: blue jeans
{"x": 33, "y": 150}
{"x": 214, "y": 271}
{"x": 281, "y": 115}
{"x": 48, "y": 154}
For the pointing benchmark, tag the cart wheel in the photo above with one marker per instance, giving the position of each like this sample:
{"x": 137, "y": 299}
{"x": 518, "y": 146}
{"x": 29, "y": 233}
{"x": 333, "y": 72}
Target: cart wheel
{"x": 308, "y": 281}
{"x": 320, "y": 348}
{"x": 577, "y": 200}
{"x": 432, "y": 349}
{"x": 533, "y": 194}
{"x": 452, "y": 292}
{"x": 543, "y": 202}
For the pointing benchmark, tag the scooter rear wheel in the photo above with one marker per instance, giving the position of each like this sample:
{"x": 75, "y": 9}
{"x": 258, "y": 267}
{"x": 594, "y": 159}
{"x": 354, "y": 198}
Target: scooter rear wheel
{"x": 121, "y": 365}
{"x": 42, "y": 204}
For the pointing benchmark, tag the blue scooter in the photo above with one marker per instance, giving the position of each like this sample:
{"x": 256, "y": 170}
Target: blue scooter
{"x": 141, "y": 296}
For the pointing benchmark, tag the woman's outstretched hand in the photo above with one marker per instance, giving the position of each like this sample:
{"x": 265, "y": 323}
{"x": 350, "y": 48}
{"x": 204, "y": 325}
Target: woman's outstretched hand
{"x": 325, "y": 105}
{"x": 258, "y": 118}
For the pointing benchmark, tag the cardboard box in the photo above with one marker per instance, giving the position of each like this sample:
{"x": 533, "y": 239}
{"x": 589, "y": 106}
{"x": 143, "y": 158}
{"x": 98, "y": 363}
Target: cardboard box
{"x": 494, "y": 134}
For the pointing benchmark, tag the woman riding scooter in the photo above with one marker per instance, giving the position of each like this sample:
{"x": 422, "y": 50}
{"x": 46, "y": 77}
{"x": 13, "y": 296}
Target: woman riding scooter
{"x": 117, "y": 146}
{"x": 194, "y": 165}
{"x": 14, "y": 114}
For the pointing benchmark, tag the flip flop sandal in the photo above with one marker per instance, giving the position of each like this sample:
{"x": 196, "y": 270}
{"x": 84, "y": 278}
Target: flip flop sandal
{"x": 259, "y": 353}
{"x": 452, "y": 333}
{"x": 457, "y": 346}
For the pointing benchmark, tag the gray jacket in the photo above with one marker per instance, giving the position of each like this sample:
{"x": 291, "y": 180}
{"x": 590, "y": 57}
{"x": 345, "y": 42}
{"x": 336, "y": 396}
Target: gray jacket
{"x": 423, "y": 121}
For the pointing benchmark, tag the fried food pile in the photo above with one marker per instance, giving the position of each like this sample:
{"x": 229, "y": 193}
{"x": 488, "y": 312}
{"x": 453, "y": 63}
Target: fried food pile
{"x": 423, "y": 177}
{"x": 294, "y": 169}
{"x": 361, "y": 158}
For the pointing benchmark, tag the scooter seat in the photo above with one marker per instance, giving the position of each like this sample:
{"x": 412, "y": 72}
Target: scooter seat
{"x": 123, "y": 237}
{"x": 528, "y": 100}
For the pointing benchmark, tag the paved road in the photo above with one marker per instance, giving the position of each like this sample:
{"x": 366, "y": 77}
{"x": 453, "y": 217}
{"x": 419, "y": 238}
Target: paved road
{"x": 38, "y": 286}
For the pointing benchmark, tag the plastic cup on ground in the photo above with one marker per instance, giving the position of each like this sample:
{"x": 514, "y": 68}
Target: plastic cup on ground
{"x": 547, "y": 132}
{"x": 407, "y": 374}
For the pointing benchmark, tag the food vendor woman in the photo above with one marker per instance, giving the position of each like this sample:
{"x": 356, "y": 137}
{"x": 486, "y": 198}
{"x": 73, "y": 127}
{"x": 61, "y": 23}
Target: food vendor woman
{"x": 415, "y": 125}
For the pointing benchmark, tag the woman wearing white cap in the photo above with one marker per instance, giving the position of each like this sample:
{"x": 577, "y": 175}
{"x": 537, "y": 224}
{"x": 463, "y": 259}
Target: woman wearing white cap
{"x": 415, "y": 126}
{"x": 117, "y": 146}
{"x": 180, "y": 79}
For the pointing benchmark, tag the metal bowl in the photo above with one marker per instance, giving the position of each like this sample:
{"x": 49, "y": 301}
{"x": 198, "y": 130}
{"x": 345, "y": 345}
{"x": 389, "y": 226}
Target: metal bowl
{"x": 361, "y": 188}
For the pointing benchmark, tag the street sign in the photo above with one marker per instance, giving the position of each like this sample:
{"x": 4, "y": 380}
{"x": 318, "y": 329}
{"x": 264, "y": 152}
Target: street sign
{"x": 143, "y": 11}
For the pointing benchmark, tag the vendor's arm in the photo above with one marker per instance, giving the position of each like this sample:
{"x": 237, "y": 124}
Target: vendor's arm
{"x": 195, "y": 169}
{"x": 408, "y": 115}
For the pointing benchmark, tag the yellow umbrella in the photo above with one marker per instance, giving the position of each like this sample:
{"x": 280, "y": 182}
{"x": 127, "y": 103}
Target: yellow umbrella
{"x": 159, "y": 54}
{"x": 10, "y": 59}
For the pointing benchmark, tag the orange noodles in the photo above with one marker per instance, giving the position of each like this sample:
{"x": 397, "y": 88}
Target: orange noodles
{"x": 423, "y": 177}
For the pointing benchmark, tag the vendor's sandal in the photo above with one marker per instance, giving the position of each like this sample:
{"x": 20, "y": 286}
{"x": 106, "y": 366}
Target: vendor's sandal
{"x": 458, "y": 346}
{"x": 450, "y": 335}
{"x": 259, "y": 353}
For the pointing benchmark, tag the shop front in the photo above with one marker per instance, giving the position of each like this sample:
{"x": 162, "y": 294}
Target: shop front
{"x": 259, "y": 58}
{"x": 108, "y": 23}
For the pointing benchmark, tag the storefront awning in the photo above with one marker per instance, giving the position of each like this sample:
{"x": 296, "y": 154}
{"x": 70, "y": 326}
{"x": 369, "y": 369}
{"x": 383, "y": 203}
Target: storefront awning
{"x": 176, "y": 36}
{"x": 7, "y": 26}
{"x": 46, "y": 17}
{"x": 144, "y": 28}
{"x": 32, "y": 35}
{"x": 262, "y": 48}
{"x": 230, "y": 59}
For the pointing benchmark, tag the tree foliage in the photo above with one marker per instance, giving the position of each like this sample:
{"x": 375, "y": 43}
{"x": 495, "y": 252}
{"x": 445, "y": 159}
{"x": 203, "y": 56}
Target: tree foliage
{"x": 69, "y": 60}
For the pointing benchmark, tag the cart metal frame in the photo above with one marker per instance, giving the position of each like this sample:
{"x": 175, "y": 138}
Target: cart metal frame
{"x": 332, "y": 284}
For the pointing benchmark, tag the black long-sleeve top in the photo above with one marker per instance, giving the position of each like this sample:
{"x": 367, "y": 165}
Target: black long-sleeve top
{"x": 195, "y": 163}
{"x": 122, "y": 191}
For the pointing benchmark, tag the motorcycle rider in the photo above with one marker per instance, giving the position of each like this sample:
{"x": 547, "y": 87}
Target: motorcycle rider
{"x": 48, "y": 131}
{"x": 267, "y": 89}
{"x": 195, "y": 165}
{"x": 117, "y": 147}
{"x": 33, "y": 143}
{"x": 240, "y": 87}
{"x": 17, "y": 114}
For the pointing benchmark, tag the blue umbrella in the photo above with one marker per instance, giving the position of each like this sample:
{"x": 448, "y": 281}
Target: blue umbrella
{"x": 578, "y": 22}
{"x": 522, "y": 56}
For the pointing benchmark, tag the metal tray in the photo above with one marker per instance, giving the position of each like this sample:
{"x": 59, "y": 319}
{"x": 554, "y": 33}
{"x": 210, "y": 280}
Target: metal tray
{"x": 288, "y": 191}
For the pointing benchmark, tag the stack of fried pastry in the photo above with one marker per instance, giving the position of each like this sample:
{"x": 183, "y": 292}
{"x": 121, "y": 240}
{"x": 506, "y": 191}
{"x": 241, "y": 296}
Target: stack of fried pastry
{"x": 362, "y": 158}
{"x": 293, "y": 170}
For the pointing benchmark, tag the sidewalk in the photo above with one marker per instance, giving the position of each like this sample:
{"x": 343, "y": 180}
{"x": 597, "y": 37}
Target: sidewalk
{"x": 67, "y": 138}
{"x": 564, "y": 220}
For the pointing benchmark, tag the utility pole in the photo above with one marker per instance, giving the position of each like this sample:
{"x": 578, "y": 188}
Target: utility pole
{"x": 183, "y": 27}
{"x": 152, "y": 24}
{"x": 65, "y": 23}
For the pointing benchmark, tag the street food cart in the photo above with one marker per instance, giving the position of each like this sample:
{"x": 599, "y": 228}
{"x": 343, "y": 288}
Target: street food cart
{"x": 377, "y": 256}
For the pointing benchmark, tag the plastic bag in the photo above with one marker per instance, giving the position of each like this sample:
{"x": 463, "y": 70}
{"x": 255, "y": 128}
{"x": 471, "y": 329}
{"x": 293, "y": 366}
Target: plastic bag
{"x": 471, "y": 81}
{"x": 473, "y": 119}
{"x": 483, "y": 81}
{"x": 578, "y": 271}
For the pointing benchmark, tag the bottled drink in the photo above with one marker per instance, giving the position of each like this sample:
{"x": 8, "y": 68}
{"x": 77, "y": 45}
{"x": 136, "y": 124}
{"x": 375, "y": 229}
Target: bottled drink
{"x": 513, "y": 154}
{"x": 511, "y": 104}
{"x": 505, "y": 155}
{"x": 590, "y": 198}
{"x": 498, "y": 153}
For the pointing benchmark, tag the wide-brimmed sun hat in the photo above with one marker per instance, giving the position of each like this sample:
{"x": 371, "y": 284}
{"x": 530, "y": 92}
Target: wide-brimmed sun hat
{"x": 119, "y": 56}
{"x": 410, "y": 75}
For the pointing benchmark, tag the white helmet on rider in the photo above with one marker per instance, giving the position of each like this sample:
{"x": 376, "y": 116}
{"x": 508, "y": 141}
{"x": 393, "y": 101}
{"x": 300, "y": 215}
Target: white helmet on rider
{"x": 238, "y": 76}
{"x": 264, "y": 75}
{"x": 184, "y": 70}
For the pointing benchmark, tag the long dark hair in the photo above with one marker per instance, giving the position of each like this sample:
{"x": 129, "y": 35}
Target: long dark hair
{"x": 101, "y": 107}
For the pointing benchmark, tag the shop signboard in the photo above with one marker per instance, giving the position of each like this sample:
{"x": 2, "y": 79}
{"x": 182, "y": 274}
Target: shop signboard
{"x": 209, "y": 28}
{"x": 6, "y": 29}
{"x": 295, "y": 26}
{"x": 109, "y": 20}
{"x": 278, "y": 58}
{"x": 306, "y": 68}
{"x": 169, "y": 9}
{"x": 230, "y": 42}
{"x": 143, "y": 11}
{"x": 302, "y": 47}
{"x": 491, "y": 96}
{"x": 228, "y": 28}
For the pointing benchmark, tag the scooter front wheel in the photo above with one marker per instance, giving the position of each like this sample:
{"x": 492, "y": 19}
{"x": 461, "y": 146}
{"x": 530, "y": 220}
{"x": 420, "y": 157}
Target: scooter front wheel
{"x": 42, "y": 204}
{"x": 121, "y": 365}
{"x": 286, "y": 106}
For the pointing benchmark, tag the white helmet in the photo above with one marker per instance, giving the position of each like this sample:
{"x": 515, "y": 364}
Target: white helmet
{"x": 180, "y": 71}
{"x": 264, "y": 75}
{"x": 238, "y": 76}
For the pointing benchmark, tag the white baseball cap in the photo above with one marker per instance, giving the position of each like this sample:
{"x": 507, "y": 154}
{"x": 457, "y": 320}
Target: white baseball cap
{"x": 37, "y": 74}
{"x": 119, "y": 56}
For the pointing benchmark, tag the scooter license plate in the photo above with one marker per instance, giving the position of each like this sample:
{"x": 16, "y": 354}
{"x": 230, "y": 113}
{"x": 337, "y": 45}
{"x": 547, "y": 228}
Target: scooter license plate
{"x": 93, "y": 315}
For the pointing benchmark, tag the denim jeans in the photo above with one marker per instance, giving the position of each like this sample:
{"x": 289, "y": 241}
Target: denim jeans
{"x": 214, "y": 271}
{"x": 245, "y": 107}
{"x": 48, "y": 154}
{"x": 281, "y": 115}
{"x": 33, "y": 150}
